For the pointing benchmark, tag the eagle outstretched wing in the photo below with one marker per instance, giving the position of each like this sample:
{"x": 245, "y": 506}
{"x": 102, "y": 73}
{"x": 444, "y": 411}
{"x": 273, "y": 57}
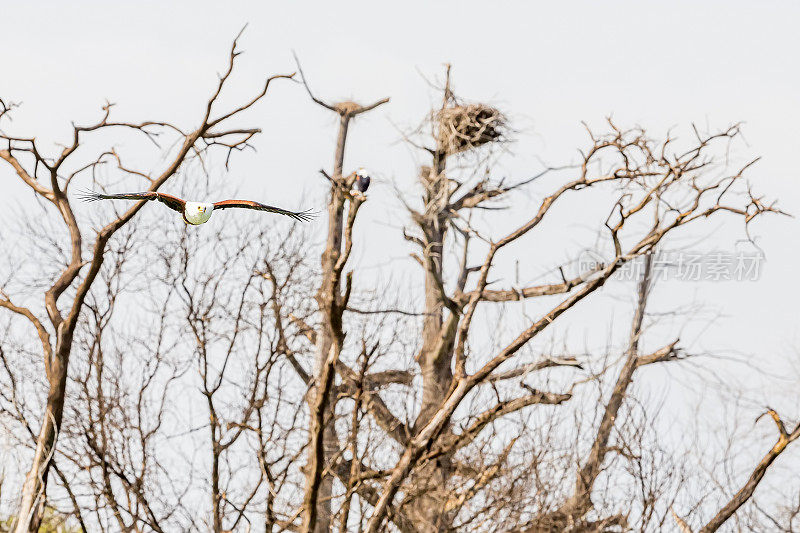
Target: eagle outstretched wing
{"x": 302, "y": 216}
{"x": 170, "y": 201}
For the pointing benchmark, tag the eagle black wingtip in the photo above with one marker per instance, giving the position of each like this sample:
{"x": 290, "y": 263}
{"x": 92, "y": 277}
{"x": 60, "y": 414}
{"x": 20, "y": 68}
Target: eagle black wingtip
{"x": 306, "y": 216}
{"x": 88, "y": 195}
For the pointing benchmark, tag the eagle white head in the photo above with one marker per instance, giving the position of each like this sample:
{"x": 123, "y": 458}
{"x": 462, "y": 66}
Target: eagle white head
{"x": 196, "y": 213}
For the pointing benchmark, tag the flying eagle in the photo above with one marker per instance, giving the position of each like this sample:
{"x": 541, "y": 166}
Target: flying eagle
{"x": 195, "y": 213}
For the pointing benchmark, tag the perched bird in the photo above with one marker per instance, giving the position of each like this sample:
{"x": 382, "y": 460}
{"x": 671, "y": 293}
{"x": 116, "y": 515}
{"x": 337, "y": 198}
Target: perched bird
{"x": 362, "y": 180}
{"x": 195, "y": 213}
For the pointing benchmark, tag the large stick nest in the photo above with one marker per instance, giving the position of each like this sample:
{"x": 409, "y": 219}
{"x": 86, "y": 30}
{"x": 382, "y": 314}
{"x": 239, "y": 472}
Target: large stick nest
{"x": 463, "y": 127}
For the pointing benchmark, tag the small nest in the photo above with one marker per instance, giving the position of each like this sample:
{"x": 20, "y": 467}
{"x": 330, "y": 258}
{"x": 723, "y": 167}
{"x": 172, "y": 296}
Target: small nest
{"x": 425, "y": 174}
{"x": 463, "y": 127}
{"x": 347, "y": 107}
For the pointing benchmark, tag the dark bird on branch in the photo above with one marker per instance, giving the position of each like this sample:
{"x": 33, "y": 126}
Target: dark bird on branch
{"x": 195, "y": 213}
{"x": 362, "y": 180}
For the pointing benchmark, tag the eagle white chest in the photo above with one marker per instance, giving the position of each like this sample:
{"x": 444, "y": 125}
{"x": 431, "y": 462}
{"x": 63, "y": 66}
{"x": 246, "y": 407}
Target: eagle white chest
{"x": 197, "y": 212}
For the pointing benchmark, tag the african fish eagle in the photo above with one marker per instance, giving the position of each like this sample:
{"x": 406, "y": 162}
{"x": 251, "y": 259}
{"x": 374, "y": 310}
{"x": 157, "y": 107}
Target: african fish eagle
{"x": 195, "y": 213}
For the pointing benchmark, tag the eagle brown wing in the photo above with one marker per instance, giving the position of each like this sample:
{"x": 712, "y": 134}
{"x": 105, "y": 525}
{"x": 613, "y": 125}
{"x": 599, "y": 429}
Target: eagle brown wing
{"x": 302, "y": 216}
{"x": 170, "y": 201}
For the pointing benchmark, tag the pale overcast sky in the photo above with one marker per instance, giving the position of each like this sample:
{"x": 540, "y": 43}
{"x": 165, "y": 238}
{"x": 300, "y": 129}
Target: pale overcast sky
{"x": 549, "y": 65}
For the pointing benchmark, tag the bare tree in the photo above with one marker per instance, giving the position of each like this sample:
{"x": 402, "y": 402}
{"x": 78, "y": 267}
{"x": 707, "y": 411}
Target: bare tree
{"x": 239, "y": 349}
{"x": 745, "y": 493}
{"x": 332, "y": 300}
{"x": 670, "y": 190}
{"x": 50, "y": 178}
{"x": 329, "y": 404}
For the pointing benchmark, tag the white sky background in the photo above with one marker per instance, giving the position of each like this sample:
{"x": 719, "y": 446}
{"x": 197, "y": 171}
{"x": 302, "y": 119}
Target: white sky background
{"x": 549, "y": 65}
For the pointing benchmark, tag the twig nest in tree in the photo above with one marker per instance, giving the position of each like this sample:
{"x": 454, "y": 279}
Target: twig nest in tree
{"x": 347, "y": 107}
{"x": 426, "y": 174}
{"x": 463, "y": 127}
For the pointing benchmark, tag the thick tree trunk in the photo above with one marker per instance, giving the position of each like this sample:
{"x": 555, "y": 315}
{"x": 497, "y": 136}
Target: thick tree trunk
{"x": 29, "y": 513}
{"x": 331, "y": 301}
{"x": 329, "y": 344}
{"x": 431, "y": 483}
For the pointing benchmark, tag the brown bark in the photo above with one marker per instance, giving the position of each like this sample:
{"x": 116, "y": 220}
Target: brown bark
{"x": 656, "y": 177}
{"x": 332, "y": 300}
{"x": 747, "y": 490}
{"x": 581, "y": 501}
{"x": 56, "y": 359}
